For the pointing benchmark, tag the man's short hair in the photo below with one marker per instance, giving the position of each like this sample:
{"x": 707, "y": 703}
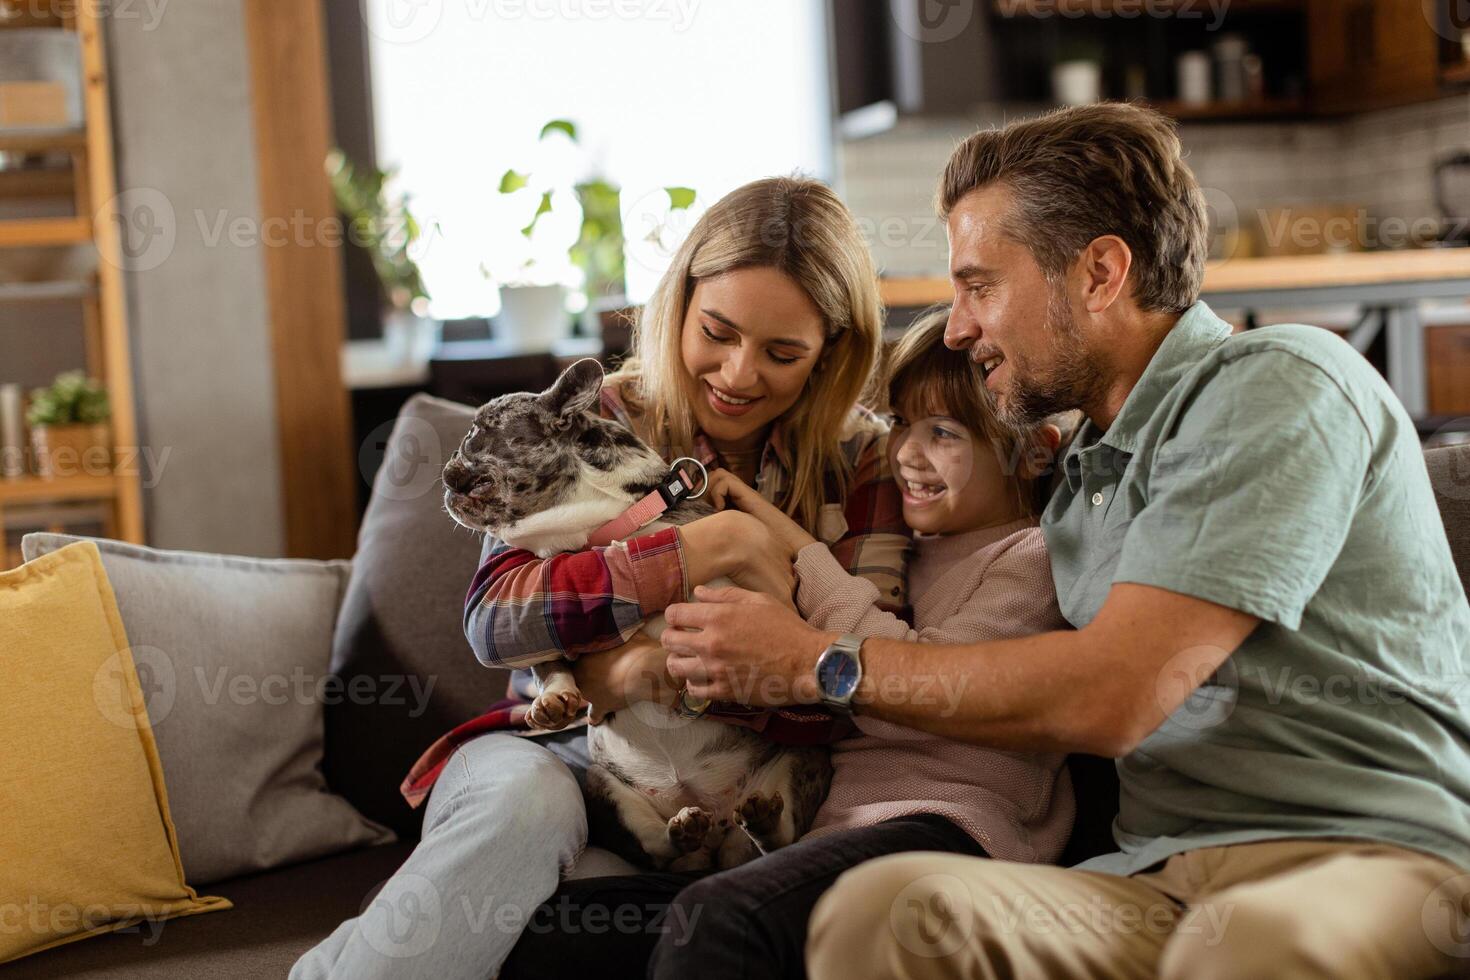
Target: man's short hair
{"x": 1079, "y": 174}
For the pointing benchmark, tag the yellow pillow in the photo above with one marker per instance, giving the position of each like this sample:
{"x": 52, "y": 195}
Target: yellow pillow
{"x": 86, "y": 843}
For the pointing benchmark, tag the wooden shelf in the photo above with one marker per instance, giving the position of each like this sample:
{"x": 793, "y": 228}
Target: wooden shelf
{"x": 1133, "y": 9}
{"x": 43, "y": 141}
{"x": 1456, "y": 74}
{"x": 89, "y": 180}
{"x": 42, "y": 232}
{"x": 31, "y": 489}
{"x": 20, "y": 16}
{"x": 45, "y": 292}
{"x": 1222, "y": 111}
{"x": 32, "y": 182}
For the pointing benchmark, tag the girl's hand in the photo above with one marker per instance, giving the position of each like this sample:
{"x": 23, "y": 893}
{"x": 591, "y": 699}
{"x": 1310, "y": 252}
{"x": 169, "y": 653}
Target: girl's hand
{"x": 727, "y": 491}
{"x": 611, "y": 680}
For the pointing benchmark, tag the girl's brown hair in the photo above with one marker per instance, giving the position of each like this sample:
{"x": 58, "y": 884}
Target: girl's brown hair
{"x": 941, "y": 381}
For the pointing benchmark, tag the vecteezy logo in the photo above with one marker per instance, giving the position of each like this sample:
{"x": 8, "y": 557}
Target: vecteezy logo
{"x": 1445, "y": 917}
{"x": 413, "y": 463}
{"x": 156, "y": 691}
{"x": 404, "y": 918}
{"x": 1194, "y": 696}
{"x": 146, "y": 228}
{"x": 933, "y": 21}
{"x": 403, "y": 21}
{"x": 933, "y": 916}
{"x": 1449, "y": 18}
{"x": 653, "y": 229}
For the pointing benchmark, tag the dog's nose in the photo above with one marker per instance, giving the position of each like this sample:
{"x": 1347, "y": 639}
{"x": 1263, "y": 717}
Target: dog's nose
{"x": 457, "y": 475}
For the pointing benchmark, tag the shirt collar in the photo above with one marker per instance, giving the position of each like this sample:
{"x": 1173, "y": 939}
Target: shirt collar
{"x": 1197, "y": 332}
{"x": 774, "y": 448}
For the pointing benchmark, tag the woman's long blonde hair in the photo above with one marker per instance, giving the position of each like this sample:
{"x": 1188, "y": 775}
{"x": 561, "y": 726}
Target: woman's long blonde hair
{"x": 798, "y": 227}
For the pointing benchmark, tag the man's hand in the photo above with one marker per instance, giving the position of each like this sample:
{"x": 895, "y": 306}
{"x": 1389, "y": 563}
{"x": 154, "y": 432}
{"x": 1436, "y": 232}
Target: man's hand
{"x": 736, "y": 645}
{"x": 727, "y": 491}
{"x": 614, "y": 679}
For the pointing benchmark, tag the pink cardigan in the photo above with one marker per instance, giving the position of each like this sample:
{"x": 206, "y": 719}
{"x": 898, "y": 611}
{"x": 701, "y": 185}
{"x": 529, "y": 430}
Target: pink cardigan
{"x": 983, "y": 585}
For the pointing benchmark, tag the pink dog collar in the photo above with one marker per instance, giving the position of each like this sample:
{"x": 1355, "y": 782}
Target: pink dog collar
{"x": 678, "y": 485}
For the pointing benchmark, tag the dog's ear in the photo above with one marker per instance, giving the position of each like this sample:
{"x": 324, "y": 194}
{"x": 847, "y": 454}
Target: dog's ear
{"x": 576, "y": 391}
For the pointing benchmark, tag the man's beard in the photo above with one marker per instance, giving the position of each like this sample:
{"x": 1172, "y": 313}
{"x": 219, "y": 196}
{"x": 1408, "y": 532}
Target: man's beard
{"x": 1073, "y": 380}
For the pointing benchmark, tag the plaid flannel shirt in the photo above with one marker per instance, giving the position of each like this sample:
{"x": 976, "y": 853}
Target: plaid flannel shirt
{"x": 523, "y": 610}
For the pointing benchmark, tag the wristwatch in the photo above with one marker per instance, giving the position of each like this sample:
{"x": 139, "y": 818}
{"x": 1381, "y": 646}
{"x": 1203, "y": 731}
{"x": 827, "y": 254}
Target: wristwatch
{"x": 688, "y": 706}
{"x": 839, "y": 672}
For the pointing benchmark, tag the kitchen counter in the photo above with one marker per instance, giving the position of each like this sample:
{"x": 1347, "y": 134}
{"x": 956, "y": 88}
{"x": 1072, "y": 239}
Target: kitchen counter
{"x": 1358, "y": 269}
{"x": 1388, "y": 288}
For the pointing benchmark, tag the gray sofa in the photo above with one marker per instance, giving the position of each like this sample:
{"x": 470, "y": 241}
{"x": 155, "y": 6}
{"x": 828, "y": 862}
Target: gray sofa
{"x": 400, "y": 615}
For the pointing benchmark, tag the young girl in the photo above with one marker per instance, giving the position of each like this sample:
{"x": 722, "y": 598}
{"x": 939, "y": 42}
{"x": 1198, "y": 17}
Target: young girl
{"x": 979, "y": 572}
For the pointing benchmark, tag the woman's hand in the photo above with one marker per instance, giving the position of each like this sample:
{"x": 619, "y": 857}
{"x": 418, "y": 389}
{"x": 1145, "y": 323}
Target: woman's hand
{"x": 727, "y": 490}
{"x": 738, "y": 546}
{"x": 611, "y": 680}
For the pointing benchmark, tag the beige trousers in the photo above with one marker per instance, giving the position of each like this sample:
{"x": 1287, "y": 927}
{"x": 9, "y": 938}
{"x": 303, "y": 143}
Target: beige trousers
{"x": 1281, "y": 909}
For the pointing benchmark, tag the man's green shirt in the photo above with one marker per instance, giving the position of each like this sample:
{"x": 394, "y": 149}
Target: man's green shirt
{"x": 1275, "y": 472}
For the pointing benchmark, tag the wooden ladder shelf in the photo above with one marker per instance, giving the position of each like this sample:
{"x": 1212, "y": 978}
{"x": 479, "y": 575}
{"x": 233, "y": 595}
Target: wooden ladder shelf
{"x": 92, "y": 186}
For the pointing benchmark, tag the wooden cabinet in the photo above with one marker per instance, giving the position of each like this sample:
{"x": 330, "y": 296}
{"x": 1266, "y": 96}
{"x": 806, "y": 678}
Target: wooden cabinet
{"x": 1447, "y": 352}
{"x": 1371, "y": 54}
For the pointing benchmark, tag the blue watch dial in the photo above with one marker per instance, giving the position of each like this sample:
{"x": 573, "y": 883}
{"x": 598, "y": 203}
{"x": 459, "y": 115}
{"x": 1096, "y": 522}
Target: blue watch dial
{"x": 838, "y": 675}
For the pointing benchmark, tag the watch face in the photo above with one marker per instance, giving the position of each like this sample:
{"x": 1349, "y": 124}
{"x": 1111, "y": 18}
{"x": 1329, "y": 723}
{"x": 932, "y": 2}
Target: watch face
{"x": 838, "y": 675}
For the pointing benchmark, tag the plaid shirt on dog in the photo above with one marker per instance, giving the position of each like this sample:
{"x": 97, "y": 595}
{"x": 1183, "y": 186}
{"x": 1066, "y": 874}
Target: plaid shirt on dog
{"x": 522, "y": 610}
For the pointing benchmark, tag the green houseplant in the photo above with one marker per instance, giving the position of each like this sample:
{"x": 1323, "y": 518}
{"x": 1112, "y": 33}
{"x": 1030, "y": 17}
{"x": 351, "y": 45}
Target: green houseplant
{"x": 532, "y": 313}
{"x": 381, "y": 222}
{"x": 69, "y": 431}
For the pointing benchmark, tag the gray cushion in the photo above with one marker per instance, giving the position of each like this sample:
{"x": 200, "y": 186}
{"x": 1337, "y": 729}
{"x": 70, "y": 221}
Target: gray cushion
{"x": 402, "y": 620}
{"x": 232, "y": 654}
{"x": 1449, "y": 471}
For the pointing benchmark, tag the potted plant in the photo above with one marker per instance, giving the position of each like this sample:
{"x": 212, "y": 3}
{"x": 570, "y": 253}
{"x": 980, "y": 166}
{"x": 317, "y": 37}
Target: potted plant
{"x": 382, "y": 223}
{"x": 1076, "y": 78}
{"x": 69, "y": 431}
{"x": 533, "y": 315}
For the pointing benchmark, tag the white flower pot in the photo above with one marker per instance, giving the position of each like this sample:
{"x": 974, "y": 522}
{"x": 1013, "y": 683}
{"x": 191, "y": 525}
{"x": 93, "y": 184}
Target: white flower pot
{"x": 410, "y": 339}
{"x": 532, "y": 318}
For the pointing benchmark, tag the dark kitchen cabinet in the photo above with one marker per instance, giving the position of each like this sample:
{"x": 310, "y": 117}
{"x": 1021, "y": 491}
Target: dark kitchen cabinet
{"x": 1318, "y": 57}
{"x": 926, "y": 57}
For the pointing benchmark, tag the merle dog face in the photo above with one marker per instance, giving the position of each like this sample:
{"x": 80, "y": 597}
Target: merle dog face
{"x": 526, "y": 453}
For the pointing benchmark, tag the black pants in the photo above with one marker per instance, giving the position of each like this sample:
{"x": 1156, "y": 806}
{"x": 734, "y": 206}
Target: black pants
{"x": 744, "y": 923}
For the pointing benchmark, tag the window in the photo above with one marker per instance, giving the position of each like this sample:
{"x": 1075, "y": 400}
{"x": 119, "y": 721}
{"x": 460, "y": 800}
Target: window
{"x": 707, "y": 94}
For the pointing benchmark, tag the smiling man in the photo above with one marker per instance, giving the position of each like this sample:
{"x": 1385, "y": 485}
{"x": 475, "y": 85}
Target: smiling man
{"x": 1271, "y": 637}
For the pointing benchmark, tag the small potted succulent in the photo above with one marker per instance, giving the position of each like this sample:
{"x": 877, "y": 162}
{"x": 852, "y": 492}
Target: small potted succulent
{"x": 69, "y": 430}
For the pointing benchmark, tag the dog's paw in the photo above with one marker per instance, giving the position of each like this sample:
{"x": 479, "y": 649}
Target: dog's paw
{"x": 688, "y": 828}
{"x": 760, "y": 814}
{"x": 553, "y": 711}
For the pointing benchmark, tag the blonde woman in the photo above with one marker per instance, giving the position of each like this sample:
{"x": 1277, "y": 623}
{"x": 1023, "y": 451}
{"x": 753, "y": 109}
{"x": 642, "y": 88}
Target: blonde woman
{"x": 750, "y": 356}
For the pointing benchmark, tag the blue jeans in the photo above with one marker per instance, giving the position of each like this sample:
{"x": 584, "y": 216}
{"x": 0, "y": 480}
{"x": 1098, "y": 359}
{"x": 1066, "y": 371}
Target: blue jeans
{"x": 505, "y": 820}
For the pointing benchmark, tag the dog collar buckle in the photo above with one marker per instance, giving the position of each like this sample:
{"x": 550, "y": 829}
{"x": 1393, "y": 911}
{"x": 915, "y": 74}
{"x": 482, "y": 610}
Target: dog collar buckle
{"x": 677, "y": 486}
